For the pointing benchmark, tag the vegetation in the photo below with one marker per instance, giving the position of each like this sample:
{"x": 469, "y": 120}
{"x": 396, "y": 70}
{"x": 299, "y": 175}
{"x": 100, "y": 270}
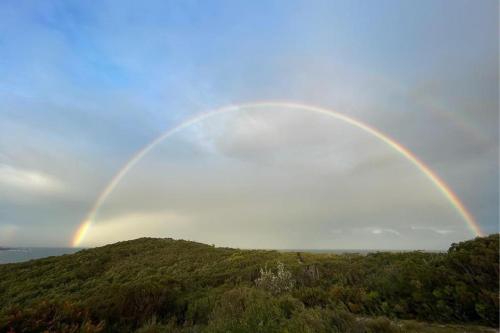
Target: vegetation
{"x": 165, "y": 285}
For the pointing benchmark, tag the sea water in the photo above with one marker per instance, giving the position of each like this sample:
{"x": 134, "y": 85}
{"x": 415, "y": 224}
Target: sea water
{"x": 19, "y": 254}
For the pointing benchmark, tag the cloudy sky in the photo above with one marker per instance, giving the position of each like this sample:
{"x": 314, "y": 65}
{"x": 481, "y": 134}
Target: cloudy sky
{"x": 85, "y": 85}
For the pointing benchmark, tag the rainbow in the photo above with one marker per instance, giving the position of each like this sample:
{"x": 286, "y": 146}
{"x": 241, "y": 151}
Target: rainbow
{"x": 421, "y": 166}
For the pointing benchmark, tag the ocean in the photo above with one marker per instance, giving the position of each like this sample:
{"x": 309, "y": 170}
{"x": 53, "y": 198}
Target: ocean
{"x": 18, "y": 254}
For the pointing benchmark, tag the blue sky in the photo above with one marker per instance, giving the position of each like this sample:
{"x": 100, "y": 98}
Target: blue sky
{"x": 83, "y": 85}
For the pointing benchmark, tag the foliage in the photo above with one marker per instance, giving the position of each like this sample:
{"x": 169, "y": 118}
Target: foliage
{"x": 163, "y": 285}
{"x": 277, "y": 282}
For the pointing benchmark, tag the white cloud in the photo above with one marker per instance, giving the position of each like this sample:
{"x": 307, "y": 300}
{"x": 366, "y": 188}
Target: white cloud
{"x": 379, "y": 231}
{"x": 30, "y": 180}
{"x": 137, "y": 224}
{"x": 433, "y": 229}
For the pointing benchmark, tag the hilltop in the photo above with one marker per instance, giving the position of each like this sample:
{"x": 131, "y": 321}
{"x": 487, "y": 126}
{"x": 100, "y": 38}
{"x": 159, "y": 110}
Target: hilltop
{"x": 166, "y": 285}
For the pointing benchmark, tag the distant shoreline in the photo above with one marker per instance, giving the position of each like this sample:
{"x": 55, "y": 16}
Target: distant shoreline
{"x": 9, "y": 255}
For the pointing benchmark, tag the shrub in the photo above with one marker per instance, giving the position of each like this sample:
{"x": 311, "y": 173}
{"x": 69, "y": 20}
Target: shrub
{"x": 380, "y": 325}
{"x": 246, "y": 310}
{"x": 276, "y": 282}
{"x": 50, "y": 317}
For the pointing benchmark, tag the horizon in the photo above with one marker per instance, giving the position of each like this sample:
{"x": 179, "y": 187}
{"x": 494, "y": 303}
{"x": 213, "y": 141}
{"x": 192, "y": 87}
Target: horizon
{"x": 78, "y": 248}
{"x": 259, "y": 125}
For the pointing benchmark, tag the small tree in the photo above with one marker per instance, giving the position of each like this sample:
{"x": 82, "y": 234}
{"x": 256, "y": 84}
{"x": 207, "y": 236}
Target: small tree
{"x": 275, "y": 282}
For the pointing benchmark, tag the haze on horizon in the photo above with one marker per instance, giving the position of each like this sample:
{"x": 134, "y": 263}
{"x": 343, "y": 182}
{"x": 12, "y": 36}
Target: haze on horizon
{"x": 84, "y": 86}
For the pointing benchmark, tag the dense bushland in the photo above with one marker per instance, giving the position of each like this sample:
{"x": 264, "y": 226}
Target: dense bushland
{"x": 164, "y": 285}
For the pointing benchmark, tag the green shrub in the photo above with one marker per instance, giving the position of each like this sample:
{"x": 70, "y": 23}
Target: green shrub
{"x": 246, "y": 310}
{"x": 275, "y": 281}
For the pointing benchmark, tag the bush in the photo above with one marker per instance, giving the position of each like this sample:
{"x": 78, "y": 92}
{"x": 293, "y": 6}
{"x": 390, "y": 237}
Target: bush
{"x": 246, "y": 310}
{"x": 50, "y": 317}
{"x": 380, "y": 325}
{"x": 276, "y": 282}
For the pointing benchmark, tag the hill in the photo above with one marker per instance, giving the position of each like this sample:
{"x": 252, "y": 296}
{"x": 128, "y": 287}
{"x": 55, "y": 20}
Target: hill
{"x": 165, "y": 285}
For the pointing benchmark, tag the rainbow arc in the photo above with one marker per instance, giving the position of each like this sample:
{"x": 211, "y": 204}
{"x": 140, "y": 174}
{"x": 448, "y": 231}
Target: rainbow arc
{"x": 452, "y": 198}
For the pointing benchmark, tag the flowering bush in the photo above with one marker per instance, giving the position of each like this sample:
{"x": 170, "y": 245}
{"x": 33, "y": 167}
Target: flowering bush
{"x": 276, "y": 282}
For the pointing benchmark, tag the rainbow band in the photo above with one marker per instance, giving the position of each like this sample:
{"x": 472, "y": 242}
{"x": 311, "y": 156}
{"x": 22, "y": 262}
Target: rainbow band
{"x": 431, "y": 175}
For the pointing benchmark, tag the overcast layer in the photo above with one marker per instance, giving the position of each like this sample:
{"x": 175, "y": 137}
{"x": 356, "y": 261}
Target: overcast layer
{"x": 83, "y": 86}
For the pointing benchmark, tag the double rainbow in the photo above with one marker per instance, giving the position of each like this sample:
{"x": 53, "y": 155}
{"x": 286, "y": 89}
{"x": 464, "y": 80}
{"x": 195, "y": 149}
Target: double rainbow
{"x": 431, "y": 175}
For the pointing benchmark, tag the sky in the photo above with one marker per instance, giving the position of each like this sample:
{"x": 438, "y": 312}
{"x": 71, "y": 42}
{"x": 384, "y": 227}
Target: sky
{"x": 85, "y": 85}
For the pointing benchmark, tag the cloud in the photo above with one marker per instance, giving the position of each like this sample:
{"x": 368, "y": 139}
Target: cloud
{"x": 138, "y": 224}
{"x": 307, "y": 181}
{"x": 433, "y": 229}
{"x": 7, "y": 232}
{"x": 28, "y": 180}
{"x": 83, "y": 90}
{"x": 379, "y": 231}
{"x": 298, "y": 136}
